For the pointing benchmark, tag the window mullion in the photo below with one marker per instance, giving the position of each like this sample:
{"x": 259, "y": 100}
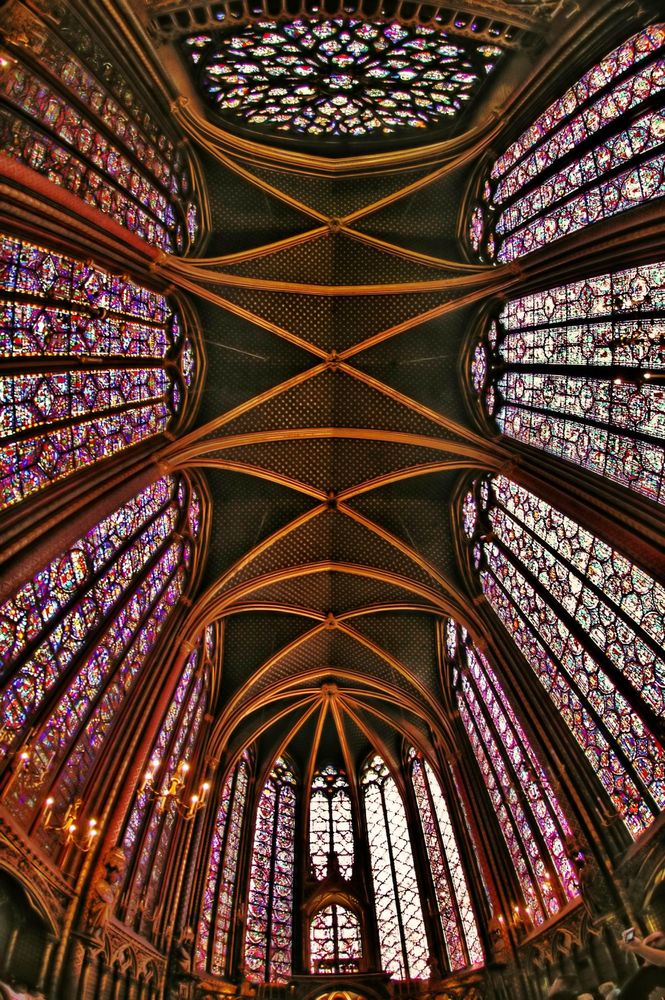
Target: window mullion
{"x": 449, "y": 879}
{"x": 90, "y": 168}
{"x": 526, "y": 857}
{"x": 219, "y": 879}
{"x": 161, "y": 773}
{"x": 271, "y": 887}
{"x": 52, "y": 699}
{"x": 604, "y": 425}
{"x": 395, "y": 883}
{"x": 652, "y": 720}
{"x": 588, "y": 145}
{"x": 584, "y": 578}
{"x": 85, "y": 588}
{"x": 574, "y": 686}
{"x": 632, "y": 70}
{"x": 73, "y": 739}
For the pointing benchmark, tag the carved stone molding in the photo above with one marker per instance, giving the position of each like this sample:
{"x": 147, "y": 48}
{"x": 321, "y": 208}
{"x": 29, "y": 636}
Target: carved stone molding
{"x": 120, "y": 941}
{"x": 44, "y": 885}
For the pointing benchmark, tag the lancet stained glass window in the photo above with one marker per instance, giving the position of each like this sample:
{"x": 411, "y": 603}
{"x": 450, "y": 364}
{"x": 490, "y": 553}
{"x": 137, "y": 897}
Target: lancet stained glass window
{"x": 455, "y": 908}
{"x": 335, "y": 941}
{"x": 590, "y": 624}
{"x": 220, "y": 886}
{"x": 403, "y": 941}
{"x": 119, "y": 387}
{"x": 595, "y": 152}
{"x": 339, "y": 77}
{"x": 72, "y": 656}
{"x": 330, "y": 824}
{"x": 150, "y": 824}
{"x": 532, "y": 820}
{"x": 270, "y": 906}
{"x": 56, "y": 117}
{"x": 576, "y": 370}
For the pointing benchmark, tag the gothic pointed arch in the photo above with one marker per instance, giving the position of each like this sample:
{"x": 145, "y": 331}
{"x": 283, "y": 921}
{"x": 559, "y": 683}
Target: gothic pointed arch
{"x": 591, "y": 643}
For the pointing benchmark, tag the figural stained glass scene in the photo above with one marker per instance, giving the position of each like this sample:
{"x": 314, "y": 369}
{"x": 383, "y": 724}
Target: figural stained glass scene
{"x": 332, "y": 500}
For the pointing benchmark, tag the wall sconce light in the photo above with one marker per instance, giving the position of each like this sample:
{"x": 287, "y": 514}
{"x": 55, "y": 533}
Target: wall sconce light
{"x": 175, "y": 790}
{"x": 69, "y": 829}
{"x": 28, "y": 760}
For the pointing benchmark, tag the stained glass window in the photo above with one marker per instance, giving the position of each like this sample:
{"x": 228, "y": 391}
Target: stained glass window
{"x": 59, "y": 119}
{"x": 590, "y": 624}
{"x": 595, "y": 152}
{"x": 330, "y": 825}
{"x": 221, "y": 880}
{"x": 335, "y": 941}
{"x": 270, "y": 906}
{"x": 532, "y": 820}
{"x": 156, "y": 805}
{"x": 455, "y": 909}
{"x": 77, "y": 636}
{"x": 403, "y": 941}
{"x": 576, "y": 371}
{"x": 339, "y": 77}
{"x": 106, "y": 366}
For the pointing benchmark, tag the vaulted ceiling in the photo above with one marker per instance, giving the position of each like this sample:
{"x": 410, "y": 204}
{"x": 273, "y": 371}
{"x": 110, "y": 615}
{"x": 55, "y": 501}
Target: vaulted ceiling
{"x": 334, "y": 301}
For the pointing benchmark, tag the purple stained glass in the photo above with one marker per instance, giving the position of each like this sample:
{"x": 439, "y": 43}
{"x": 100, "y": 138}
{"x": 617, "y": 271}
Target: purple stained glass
{"x": 477, "y": 228}
{"x": 56, "y": 117}
{"x": 630, "y": 54}
{"x": 632, "y": 187}
{"x": 335, "y": 941}
{"x": 451, "y": 636}
{"x": 479, "y": 368}
{"x": 581, "y": 368}
{"x": 541, "y": 189}
{"x": 151, "y": 863}
{"x": 331, "y": 824}
{"x": 119, "y": 583}
{"x": 520, "y": 767}
{"x": 616, "y": 606}
{"x": 469, "y": 515}
{"x": 523, "y": 850}
{"x": 402, "y": 937}
{"x": 195, "y": 512}
{"x": 220, "y": 888}
{"x": 53, "y": 423}
{"x": 270, "y": 905}
{"x": 454, "y": 903}
{"x": 142, "y": 798}
{"x": 44, "y": 626}
{"x": 339, "y": 77}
